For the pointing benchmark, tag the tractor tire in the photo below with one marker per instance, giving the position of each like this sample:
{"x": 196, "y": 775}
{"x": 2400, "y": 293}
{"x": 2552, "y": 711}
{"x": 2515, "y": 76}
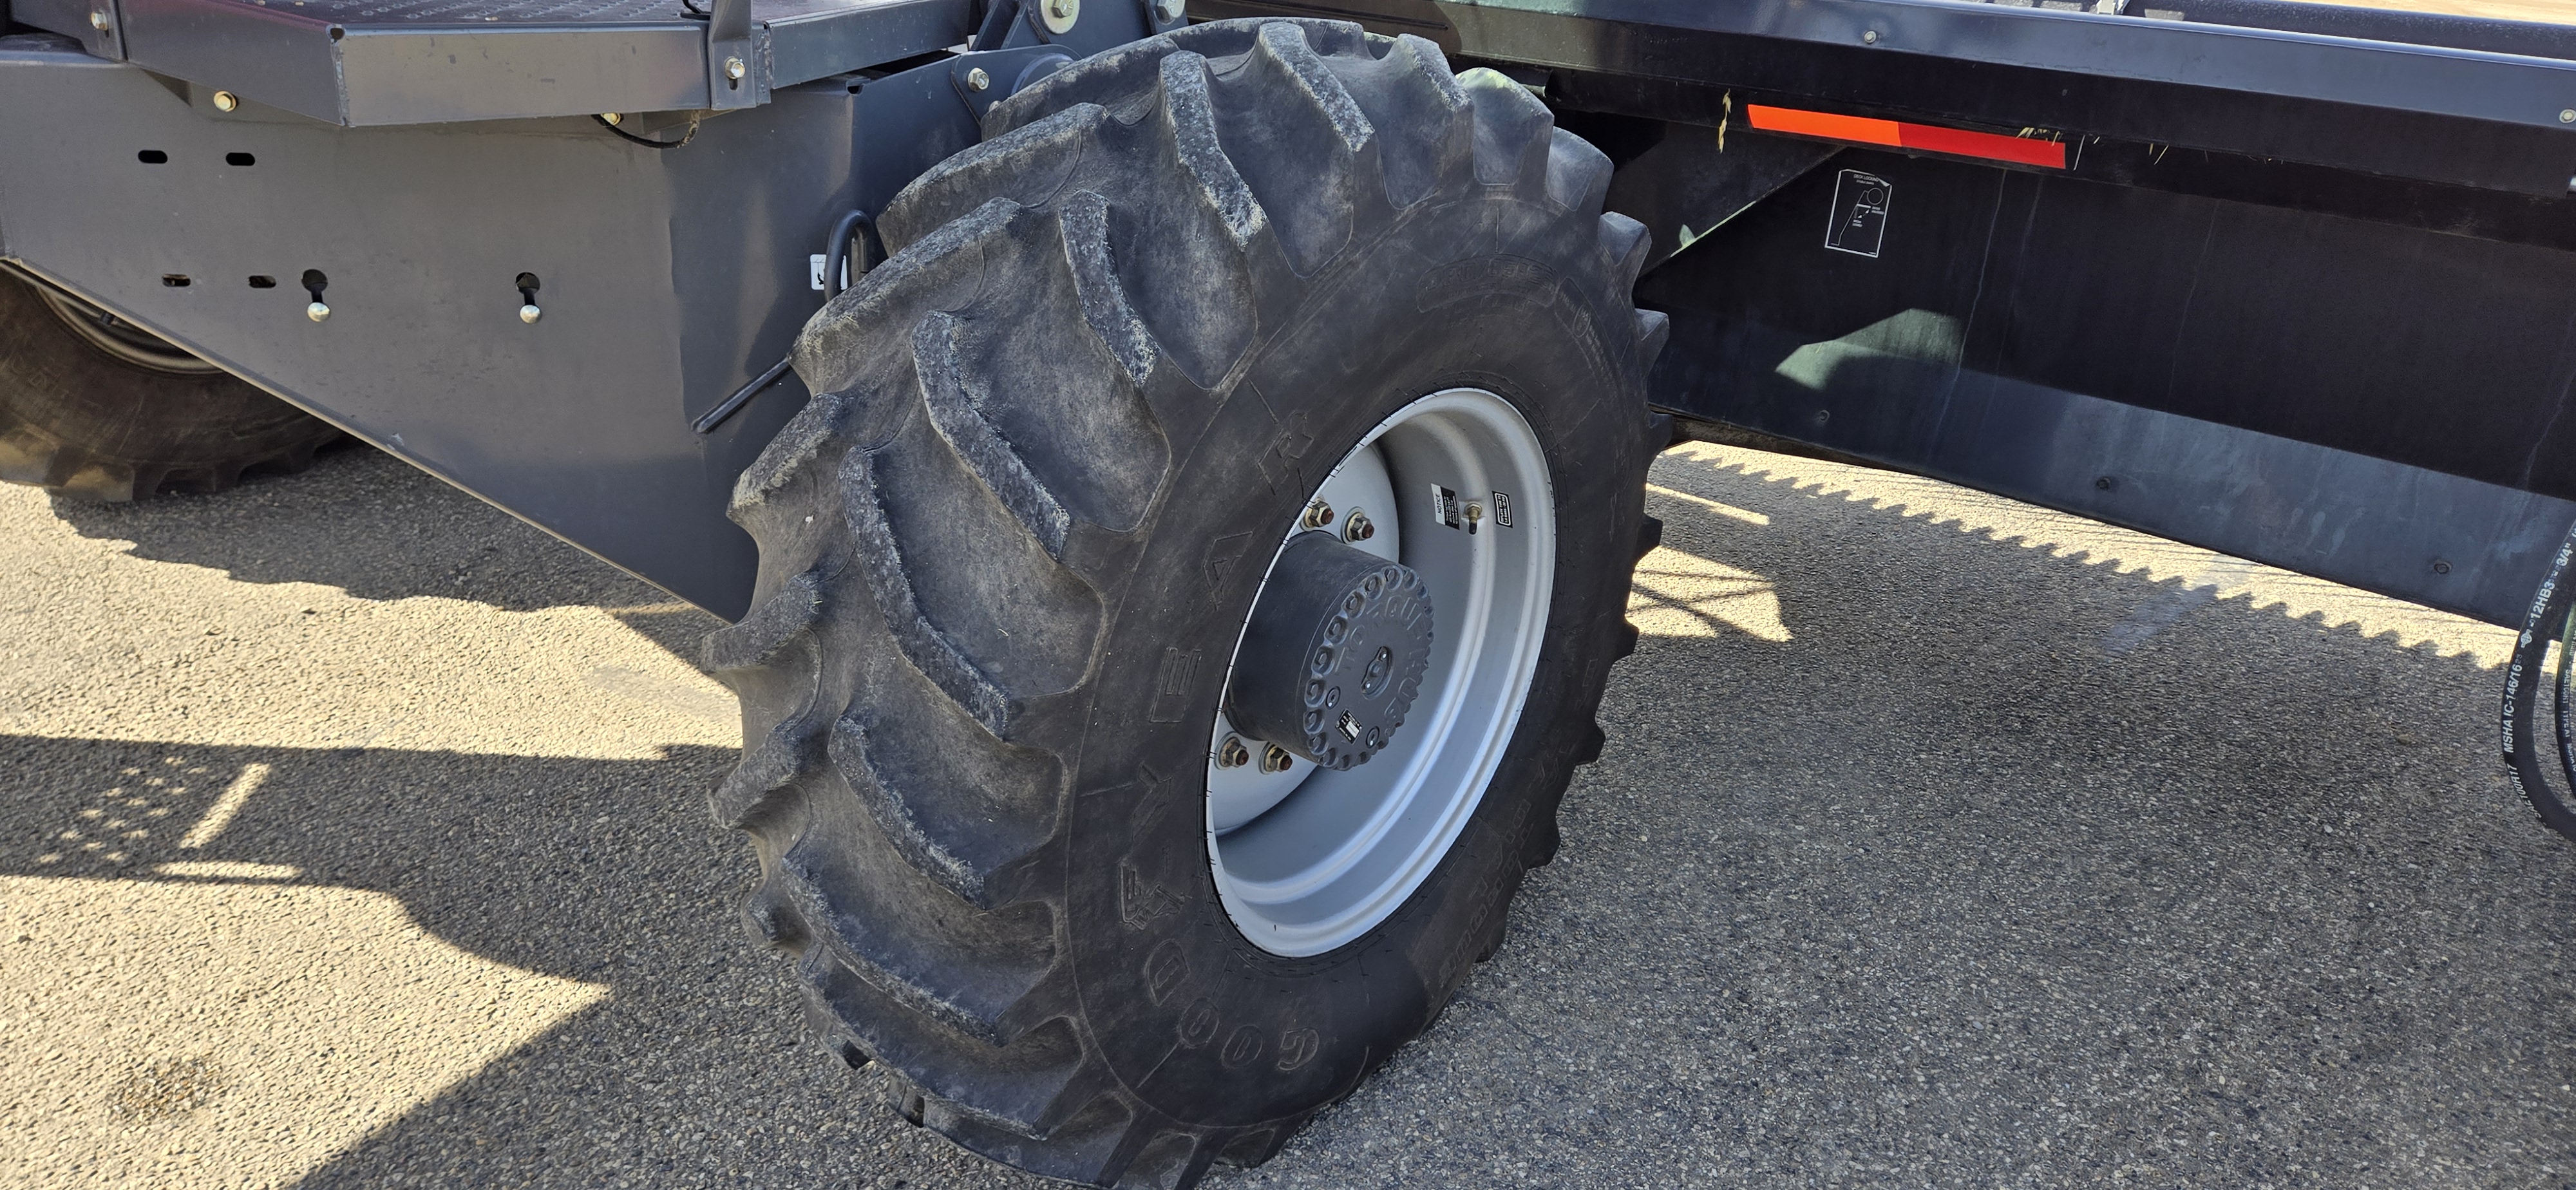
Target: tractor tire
{"x": 96, "y": 407}
{"x": 1007, "y": 552}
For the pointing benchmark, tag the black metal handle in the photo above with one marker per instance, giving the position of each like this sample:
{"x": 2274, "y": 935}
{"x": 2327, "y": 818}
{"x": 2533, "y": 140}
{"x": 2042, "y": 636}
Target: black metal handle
{"x": 836, "y": 258}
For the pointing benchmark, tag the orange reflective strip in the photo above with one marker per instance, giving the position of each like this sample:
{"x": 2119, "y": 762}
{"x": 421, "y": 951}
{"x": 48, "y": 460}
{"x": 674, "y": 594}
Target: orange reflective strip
{"x": 2021, "y": 150}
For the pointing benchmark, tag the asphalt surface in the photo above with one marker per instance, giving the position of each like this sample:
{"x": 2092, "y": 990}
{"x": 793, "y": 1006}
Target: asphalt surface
{"x": 352, "y": 834}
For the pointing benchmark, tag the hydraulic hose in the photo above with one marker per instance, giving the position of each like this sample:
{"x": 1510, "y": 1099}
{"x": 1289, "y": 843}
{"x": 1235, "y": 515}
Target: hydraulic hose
{"x": 836, "y": 255}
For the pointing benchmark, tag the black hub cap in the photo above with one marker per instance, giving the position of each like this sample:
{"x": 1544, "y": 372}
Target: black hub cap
{"x": 1334, "y": 653}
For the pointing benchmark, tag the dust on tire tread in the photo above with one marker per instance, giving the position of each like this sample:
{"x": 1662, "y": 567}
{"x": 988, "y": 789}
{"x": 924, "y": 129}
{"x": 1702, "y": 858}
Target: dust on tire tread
{"x": 989, "y": 1065}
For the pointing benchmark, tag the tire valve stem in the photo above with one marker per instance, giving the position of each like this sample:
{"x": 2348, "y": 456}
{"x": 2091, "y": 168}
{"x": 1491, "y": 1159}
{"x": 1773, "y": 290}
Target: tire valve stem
{"x": 1475, "y": 513}
{"x": 1318, "y": 515}
{"x": 1274, "y": 759}
{"x": 1232, "y": 754}
{"x": 1357, "y": 527}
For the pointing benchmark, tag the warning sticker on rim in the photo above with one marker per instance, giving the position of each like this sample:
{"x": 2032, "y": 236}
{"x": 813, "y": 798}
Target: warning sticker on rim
{"x": 1444, "y": 505}
{"x": 1503, "y": 509}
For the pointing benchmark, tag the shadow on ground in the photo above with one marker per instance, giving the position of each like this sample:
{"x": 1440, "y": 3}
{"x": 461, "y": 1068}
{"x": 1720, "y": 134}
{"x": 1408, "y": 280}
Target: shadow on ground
{"x": 330, "y": 525}
{"x": 1959, "y": 876}
{"x": 1977, "y": 861}
{"x": 607, "y": 872}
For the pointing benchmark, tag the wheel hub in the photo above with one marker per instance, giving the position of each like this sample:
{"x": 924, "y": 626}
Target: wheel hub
{"x": 1334, "y": 652}
{"x": 1308, "y": 857}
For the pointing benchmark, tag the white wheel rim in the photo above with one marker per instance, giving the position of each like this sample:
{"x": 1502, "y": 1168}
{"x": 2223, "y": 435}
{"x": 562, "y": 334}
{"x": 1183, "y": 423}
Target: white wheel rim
{"x": 1308, "y": 860}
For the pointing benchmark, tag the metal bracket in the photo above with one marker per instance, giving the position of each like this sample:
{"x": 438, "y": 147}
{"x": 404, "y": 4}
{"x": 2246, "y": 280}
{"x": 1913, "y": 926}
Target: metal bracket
{"x": 99, "y": 25}
{"x": 1002, "y": 73}
{"x": 107, "y": 23}
{"x": 737, "y": 58}
{"x": 999, "y": 20}
{"x": 1067, "y": 26}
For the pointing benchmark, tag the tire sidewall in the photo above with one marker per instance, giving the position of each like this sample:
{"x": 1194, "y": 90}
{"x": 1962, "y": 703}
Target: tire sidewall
{"x": 66, "y": 391}
{"x": 1487, "y": 292}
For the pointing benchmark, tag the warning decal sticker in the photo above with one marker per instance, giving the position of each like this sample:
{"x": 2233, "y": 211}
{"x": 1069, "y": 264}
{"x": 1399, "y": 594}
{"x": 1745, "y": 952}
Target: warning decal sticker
{"x": 1860, "y": 214}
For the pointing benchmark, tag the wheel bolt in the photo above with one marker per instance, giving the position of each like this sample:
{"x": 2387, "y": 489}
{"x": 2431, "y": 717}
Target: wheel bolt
{"x": 1318, "y": 515}
{"x": 1232, "y": 754}
{"x": 1274, "y": 759}
{"x": 1357, "y": 526}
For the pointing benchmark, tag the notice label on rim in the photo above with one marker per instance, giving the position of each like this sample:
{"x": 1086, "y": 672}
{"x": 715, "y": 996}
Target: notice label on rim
{"x": 1503, "y": 509}
{"x": 1444, "y": 506}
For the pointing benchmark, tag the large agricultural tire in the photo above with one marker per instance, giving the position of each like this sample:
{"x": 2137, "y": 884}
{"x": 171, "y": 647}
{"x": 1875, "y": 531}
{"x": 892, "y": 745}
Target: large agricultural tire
{"x": 94, "y": 407}
{"x": 1007, "y": 553}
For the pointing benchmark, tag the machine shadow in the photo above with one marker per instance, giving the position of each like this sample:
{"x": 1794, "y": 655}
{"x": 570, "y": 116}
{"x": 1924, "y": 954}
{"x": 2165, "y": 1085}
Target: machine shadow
{"x": 545, "y": 839}
{"x": 369, "y": 524}
{"x": 1937, "y": 842}
{"x": 1879, "y": 874}
{"x": 691, "y": 1068}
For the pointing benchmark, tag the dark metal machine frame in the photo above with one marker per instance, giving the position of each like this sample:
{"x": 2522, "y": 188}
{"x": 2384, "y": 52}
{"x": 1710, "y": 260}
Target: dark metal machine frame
{"x": 2296, "y": 282}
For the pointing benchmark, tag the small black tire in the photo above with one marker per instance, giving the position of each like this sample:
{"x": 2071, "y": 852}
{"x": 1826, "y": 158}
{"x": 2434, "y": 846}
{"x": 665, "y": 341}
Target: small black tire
{"x": 116, "y": 414}
{"x": 1004, "y": 555}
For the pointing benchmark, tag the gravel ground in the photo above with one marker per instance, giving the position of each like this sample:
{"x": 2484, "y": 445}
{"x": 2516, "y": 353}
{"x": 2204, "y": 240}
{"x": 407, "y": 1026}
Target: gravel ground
{"x": 353, "y": 836}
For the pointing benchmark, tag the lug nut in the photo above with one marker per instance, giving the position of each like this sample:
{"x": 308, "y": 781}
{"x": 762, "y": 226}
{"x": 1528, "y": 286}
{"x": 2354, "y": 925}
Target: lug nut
{"x": 1318, "y": 515}
{"x": 1232, "y": 754}
{"x": 1357, "y": 527}
{"x": 226, "y": 101}
{"x": 1275, "y": 759}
